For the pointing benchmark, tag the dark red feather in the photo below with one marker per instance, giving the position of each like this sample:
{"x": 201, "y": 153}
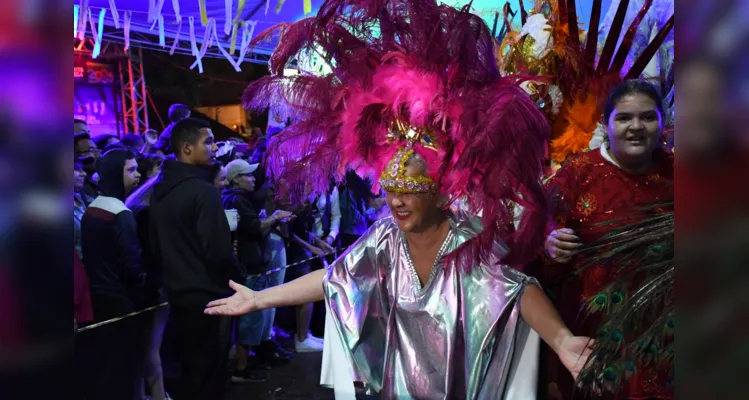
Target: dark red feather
{"x": 591, "y": 40}
{"x": 613, "y": 37}
{"x": 626, "y": 44}
{"x": 642, "y": 61}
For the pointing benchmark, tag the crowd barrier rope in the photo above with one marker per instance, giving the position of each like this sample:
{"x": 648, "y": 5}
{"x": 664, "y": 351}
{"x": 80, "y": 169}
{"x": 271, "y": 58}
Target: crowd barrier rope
{"x": 164, "y": 304}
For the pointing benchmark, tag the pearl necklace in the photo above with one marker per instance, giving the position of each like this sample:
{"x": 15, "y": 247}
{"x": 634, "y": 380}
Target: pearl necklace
{"x": 415, "y": 281}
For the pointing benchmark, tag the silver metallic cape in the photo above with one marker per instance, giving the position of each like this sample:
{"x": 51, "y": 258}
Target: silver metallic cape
{"x": 460, "y": 336}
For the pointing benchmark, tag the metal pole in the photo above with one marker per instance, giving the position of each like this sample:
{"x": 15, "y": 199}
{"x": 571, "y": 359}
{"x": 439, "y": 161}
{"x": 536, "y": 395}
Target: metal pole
{"x": 143, "y": 92}
{"x": 123, "y": 115}
{"x": 133, "y": 102}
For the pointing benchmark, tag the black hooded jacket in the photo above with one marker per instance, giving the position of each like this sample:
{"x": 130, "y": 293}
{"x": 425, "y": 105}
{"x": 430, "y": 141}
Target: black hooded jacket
{"x": 190, "y": 236}
{"x": 109, "y": 241}
{"x": 251, "y": 243}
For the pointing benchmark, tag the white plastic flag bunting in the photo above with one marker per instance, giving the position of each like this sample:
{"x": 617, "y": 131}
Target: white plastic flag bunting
{"x": 92, "y": 24}
{"x": 115, "y": 14}
{"x": 252, "y": 31}
{"x": 227, "y": 23}
{"x": 162, "y": 40}
{"x": 84, "y": 11}
{"x": 99, "y": 33}
{"x": 247, "y": 32}
{"x": 193, "y": 42}
{"x": 204, "y": 46}
{"x": 210, "y": 38}
{"x": 128, "y": 15}
{"x": 151, "y": 11}
{"x": 76, "y": 16}
{"x": 207, "y": 37}
{"x": 159, "y": 7}
{"x": 224, "y": 52}
{"x": 176, "y": 39}
{"x": 175, "y": 6}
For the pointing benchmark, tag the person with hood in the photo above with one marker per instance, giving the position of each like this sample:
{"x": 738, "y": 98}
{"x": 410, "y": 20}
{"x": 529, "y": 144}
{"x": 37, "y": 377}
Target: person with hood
{"x": 254, "y": 254}
{"x": 112, "y": 259}
{"x": 191, "y": 239}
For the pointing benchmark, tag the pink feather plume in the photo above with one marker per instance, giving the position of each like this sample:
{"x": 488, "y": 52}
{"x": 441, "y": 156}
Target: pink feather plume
{"x": 431, "y": 65}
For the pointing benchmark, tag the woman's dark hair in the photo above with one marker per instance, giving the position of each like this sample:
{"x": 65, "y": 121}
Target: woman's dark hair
{"x": 146, "y": 162}
{"x": 633, "y": 86}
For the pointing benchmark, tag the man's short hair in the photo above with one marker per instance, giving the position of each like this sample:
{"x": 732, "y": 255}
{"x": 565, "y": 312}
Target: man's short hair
{"x": 186, "y": 131}
{"x": 79, "y": 138}
{"x": 178, "y": 112}
{"x": 79, "y": 121}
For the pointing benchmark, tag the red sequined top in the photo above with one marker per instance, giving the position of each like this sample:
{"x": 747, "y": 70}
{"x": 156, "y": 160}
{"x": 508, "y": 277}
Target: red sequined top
{"x": 587, "y": 194}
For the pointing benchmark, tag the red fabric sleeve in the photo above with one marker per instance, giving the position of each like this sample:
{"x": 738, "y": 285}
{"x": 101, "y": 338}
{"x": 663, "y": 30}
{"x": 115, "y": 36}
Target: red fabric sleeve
{"x": 82, "y": 309}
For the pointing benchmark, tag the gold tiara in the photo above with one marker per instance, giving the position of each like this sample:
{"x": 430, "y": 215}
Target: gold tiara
{"x": 393, "y": 178}
{"x": 400, "y": 131}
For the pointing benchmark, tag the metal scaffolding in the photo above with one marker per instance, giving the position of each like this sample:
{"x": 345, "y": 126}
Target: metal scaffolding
{"x": 133, "y": 93}
{"x": 133, "y": 117}
{"x": 131, "y": 82}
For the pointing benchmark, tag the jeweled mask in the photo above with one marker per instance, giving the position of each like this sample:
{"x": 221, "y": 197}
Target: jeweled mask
{"x": 393, "y": 178}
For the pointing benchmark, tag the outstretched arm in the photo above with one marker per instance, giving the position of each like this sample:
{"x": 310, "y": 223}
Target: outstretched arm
{"x": 306, "y": 289}
{"x": 303, "y": 290}
{"x": 540, "y": 314}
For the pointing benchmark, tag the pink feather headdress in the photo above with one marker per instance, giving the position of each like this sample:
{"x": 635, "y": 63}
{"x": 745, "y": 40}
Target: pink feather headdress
{"x": 431, "y": 67}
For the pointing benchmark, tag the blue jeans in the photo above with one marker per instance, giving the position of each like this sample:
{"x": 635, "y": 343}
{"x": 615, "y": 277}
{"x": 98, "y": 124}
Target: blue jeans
{"x": 256, "y": 326}
{"x": 277, "y": 260}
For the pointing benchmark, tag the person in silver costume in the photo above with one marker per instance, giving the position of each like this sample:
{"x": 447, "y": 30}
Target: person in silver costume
{"x": 412, "y": 327}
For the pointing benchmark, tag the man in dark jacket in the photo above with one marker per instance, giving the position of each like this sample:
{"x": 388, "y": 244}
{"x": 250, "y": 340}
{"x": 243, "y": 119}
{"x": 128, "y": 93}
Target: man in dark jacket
{"x": 111, "y": 256}
{"x": 254, "y": 255}
{"x": 190, "y": 237}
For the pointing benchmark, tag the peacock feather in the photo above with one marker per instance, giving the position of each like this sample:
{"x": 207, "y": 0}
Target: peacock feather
{"x": 636, "y": 309}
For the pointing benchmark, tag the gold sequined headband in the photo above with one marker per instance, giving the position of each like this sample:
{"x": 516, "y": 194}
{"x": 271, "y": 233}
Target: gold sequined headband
{"x": 393, "y": 178}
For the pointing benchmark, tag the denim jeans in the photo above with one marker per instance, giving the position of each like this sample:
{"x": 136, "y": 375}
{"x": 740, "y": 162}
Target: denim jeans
{"x": 277, "y": 260}
{"x": 256, "y": 326}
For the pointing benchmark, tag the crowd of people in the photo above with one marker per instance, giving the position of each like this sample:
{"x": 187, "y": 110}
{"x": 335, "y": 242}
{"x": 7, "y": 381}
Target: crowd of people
{"x": 437, "y": 295}
{"x": 175, "y": 216}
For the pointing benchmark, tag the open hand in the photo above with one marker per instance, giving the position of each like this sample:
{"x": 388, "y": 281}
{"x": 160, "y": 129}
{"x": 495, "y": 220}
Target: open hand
{"x": 242, "y": 302}
{"x": 574, "y": 352}
{"x": 283, "y": 216}
{"x": 561, "y": 244}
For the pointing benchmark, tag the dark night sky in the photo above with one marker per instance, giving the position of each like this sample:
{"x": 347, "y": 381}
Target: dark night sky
{"x": 170, "y": 80}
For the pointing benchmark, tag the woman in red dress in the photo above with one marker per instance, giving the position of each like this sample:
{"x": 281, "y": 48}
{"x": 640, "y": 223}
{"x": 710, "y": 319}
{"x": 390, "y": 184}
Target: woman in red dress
{"x": 593, "y": 193}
